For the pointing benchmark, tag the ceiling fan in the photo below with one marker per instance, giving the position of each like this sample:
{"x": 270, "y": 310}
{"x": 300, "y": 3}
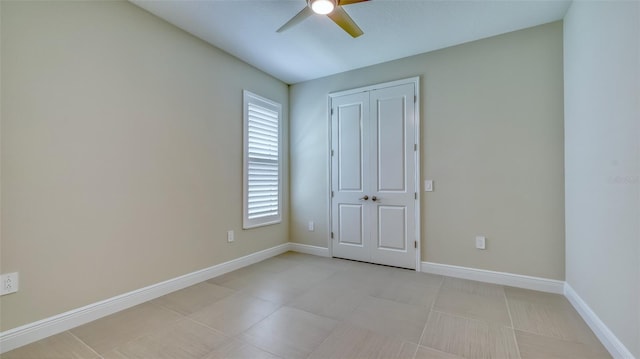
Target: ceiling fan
{"x": 333, "y": 9}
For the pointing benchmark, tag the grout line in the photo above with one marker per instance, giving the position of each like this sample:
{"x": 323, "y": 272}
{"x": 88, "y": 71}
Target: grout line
{"x": 483, "y": 321}
{"x": 404, "y": 342}
{"x": 433, "y": 304}
{"x": 217, "y": 331}
{"x": 146, "y": 333}
{"x": 513, "y": 329}
{"x": 161, "y": 306}
{"x": 85, "y": 344}
{"x": 340, "y": 324}
{"x": 437, "y": 350}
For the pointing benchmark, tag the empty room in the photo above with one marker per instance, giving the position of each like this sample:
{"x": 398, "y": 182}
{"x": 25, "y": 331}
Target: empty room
{"x": 320, "y": 179}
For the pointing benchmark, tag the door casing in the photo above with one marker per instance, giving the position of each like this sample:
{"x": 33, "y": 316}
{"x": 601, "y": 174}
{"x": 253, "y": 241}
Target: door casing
{"x": 416, "y": 83}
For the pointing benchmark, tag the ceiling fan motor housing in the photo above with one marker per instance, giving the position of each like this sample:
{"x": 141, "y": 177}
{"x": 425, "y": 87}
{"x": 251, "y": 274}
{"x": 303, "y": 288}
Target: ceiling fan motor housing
{"x": 322, "y": 7}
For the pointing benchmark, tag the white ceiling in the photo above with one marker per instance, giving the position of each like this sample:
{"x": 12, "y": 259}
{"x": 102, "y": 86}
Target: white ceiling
{"x": 317, "y": 47}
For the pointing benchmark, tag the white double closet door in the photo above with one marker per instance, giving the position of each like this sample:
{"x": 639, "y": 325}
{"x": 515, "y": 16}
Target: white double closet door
{"x": 373, "y": 175}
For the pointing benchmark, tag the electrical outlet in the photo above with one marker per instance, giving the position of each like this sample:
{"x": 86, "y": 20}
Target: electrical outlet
{"x": 311, "y": 226}
{"x": 230, "y": 236}
{"x": 480, "y": 242}
{"x": 8, "y": 283}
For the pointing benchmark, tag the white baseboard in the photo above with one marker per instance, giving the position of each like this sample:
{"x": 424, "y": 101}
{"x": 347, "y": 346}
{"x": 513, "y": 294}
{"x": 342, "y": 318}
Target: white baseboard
{"x": 606, "y": 336}
{"x": 41, "y": 329}
{"x": 482, "y": 275}
{"x": 308, "y": 249}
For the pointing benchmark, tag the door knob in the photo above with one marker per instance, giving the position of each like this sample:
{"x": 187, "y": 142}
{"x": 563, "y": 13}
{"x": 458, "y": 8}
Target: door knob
{"x": 374, "y": 198}
{"x": 364, "y": 198}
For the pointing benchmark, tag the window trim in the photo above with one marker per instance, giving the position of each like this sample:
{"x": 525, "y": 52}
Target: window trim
{"x": 249, "y": 98}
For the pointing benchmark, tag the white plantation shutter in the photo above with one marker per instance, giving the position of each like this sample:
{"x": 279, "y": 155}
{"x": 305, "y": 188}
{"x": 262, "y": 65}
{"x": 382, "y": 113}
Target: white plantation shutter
{"x": 262, "y": 179}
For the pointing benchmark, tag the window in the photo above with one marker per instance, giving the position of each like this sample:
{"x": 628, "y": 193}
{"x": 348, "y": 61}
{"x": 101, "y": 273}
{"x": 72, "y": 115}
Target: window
{"x": 262, "y": 161}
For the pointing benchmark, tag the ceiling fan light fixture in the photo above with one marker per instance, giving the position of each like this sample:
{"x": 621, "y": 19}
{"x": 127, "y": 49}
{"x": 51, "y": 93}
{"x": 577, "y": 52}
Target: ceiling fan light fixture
{"x": 322, "y": 7}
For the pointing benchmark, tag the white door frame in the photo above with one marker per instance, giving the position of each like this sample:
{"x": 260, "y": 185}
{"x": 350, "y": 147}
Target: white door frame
{"x": 416, "y": 83}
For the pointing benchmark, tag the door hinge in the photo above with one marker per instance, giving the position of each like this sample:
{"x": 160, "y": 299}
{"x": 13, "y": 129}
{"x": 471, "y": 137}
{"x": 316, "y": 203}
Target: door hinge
{"x": 415, "y": 195}
{"x": 415, "y": 98}
{"x": 332, "y": 111}
{"x": 415, "y": 244}
{"x": 331, "y": 153}
{"x": 331, "y": 235}
{"x": 331, "y": 194}
{"x": 415, "y": 146}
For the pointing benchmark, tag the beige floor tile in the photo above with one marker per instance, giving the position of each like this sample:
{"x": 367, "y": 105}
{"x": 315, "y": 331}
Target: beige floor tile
{"x": 468, "y": 338}
{"x": 531, "y": 296}
{"x": 274, "y": 265}
{"x": 290, "y": 332}
{"x": 367, "y": 278}
{"x": 331, "y": 263}
{"x": 242, "y": 278}
{"x": 347, "y": 280}
{"x": 410, "y": 290}
{"x": 390, "y": 318}
{"x": 408, "y": 350}
{"x": 549, "y": 316}
{"x": 472, "y": 287}
{"x": 282, "y": 287}
{"x": 276, "y": 291}
{"x": 236, "y": 349}
{"x": 113, "y": 354}
{"x": 329, "y": 301}
{"x": 308, "y": 259}
{"x": 115, "y": 330}
{"x": 235, "y": 313}
{"x": 429, "y": 353}
{"x": 194, "y": 298}
{"x": 418, "y": 278}
{"x": 473, "y": 300}
{"x": 376, "y": 277}
{"x": 534, "y": 346}
{"x": 300, "y": 257}
{"x": 348, "y": 341}
{"x": 60, "y": 346}
{"x": 303, "y": 277}
{"x": 183, "y": 339}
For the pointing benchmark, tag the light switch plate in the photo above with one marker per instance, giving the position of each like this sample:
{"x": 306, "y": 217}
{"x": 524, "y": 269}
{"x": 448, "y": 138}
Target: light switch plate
{"x": 481, "y": 242}
{"x": 428, "y": 185}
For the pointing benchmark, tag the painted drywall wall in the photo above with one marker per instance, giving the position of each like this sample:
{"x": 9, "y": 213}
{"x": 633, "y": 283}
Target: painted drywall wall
{"x": 492, "y": 141}
{"x": 602, "y": 161}
{"x": 121, "y": 154}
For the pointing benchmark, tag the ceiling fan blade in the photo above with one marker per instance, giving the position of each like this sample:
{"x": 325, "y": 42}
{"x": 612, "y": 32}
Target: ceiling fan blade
{"x": 349, "y": 2}
{"x": 303, "y": 14}
{"x": 340, "y": 17}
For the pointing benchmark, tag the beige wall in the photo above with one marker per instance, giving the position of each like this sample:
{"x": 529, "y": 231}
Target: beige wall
{"x": 492, "y": 139}
{"x": 602, "y": 124}
{"x": 121, "y": 154}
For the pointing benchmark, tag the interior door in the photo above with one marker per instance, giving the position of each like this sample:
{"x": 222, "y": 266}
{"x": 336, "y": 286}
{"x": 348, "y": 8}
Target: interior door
{"x": 392, "y": 179}
{"x": 351, "y": 221}
{"x": 373, "y": 202}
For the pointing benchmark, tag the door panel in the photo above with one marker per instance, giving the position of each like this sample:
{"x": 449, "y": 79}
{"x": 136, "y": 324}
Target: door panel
{"x": 350, "y": 225}
{"x": 350, "y": 147}
{"x": 390, "y": 135}
{"x": 392, "y": 228}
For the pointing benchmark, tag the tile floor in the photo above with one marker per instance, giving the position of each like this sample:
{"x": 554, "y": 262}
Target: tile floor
{"x": 301, "y": 306}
